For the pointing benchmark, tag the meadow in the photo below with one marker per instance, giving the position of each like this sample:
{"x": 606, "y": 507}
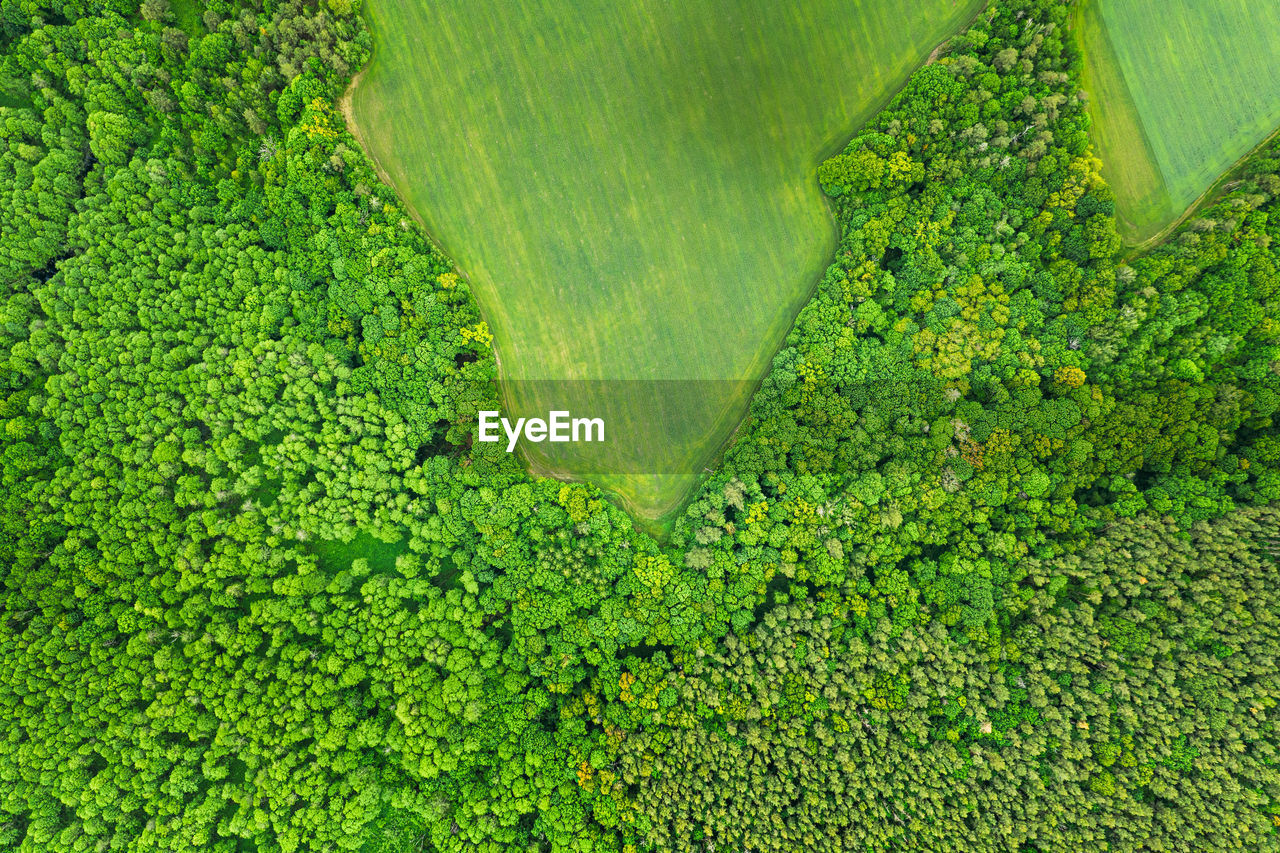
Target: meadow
{"x": 1180, "y": 91}
{"x": 630, "y": 189}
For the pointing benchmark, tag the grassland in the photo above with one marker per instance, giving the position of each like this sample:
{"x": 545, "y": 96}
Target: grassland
{"x": 1179, "y": 90}
{"x": 630, "y": 188}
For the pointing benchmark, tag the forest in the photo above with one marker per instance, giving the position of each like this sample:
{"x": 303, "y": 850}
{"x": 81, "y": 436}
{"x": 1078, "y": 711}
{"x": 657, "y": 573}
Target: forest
{"x": 992, "y": 564}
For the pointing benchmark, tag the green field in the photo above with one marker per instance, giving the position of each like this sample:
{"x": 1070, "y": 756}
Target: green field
{"x": 1179, "y": 91}
{"x": 630, "y": 187}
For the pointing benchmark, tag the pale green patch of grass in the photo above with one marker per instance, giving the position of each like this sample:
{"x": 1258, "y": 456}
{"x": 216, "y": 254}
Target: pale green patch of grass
{"x": 186, "y": 16}
{"x": 630, "y": 185}
{"x": 337, "y": 556}
{"x": 1180, "y": 91}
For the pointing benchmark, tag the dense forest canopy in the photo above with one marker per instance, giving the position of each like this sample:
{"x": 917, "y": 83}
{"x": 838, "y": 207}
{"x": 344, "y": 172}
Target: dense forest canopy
{"x": 993, "y": 562}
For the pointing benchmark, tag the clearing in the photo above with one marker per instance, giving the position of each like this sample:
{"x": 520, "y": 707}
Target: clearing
{"x": 630, "y": 188}
{"x": 1179, "y": 91}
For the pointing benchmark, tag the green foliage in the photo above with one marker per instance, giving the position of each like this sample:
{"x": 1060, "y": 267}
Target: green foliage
{"x": 990, "y": 564}
{"x": 804, "y": 734}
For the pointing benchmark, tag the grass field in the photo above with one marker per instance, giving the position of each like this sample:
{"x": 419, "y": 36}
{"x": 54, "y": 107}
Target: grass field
{"x": 630, "y": 187}
{"x": 1179, "y": 90}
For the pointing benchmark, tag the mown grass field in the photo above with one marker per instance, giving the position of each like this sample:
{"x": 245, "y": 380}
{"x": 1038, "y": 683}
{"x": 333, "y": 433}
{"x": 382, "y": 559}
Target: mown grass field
{"x": 630, "y": 187}
{"x": 1179, "y": 91}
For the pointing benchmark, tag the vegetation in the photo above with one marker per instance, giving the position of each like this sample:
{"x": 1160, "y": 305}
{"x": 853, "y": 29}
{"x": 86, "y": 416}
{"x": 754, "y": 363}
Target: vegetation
{"x": 1119, "y": 713}
{"x": 1170, "y": 121}
{"x": 638, "y": 208}
{"x": 992, "y": 562}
